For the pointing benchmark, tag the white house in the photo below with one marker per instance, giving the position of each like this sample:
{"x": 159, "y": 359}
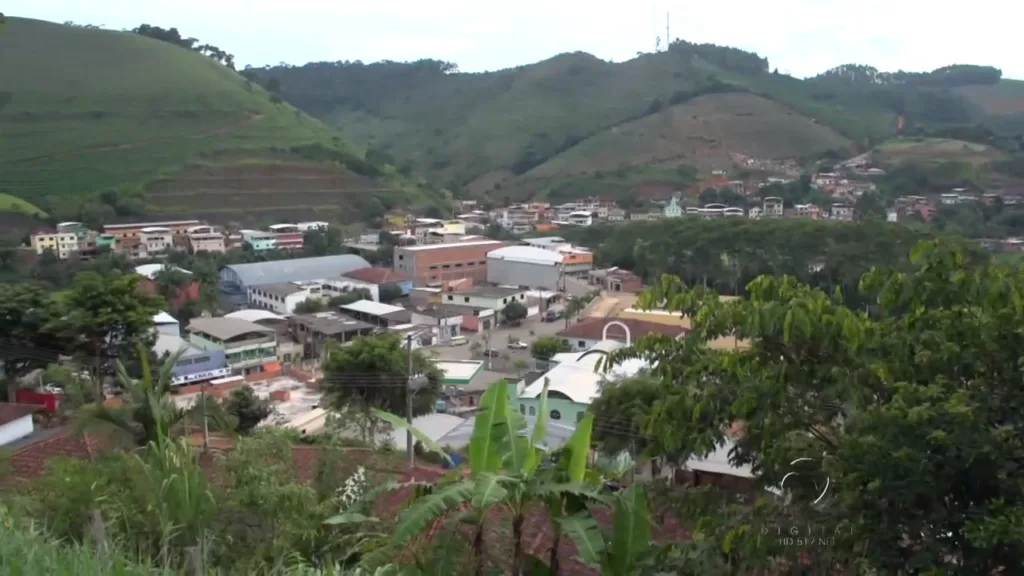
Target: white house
{"x": 447, "y": 324}
{"x": 772, "y": 207}
{"x": 673, "y": 210}
{"x": 581, "y": 218}
{"x": 283, "y": 297}
{"x": 486, "y": 297}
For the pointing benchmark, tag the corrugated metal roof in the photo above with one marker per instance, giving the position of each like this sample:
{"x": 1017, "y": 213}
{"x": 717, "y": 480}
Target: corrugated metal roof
{"x": 226, "y": 328}
{"x": 254, "y": 315}
{"x": 528, "y": 254}
{"x": 371, "y": 307}
{"x": 298, "y": 269}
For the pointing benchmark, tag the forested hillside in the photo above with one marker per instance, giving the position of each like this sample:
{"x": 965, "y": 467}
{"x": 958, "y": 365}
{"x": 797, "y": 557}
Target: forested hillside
{"x": 510, "y": 126}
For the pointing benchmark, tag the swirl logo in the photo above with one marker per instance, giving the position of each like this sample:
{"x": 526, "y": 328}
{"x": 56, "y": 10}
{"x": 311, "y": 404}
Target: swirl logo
{"x": 804, "y": 469}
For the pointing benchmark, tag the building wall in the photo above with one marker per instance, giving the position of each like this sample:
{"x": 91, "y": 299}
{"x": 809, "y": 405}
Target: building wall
{"x": 15, "y": 429}
{"x": 177, "y": 228}
{"x": 448, "y": 327}
{"x": 569, "y": 412}
{"x": 514, "y": 273}
{"x": 278, "y": 304}
{"x": 445, "y": 262}
{"x": 63, "y": 245}
{"x": 491, "y": 303}
{"x": 207, "y": 245}
{"x": 405, "y": 286}
{"x": 198, "y": 367}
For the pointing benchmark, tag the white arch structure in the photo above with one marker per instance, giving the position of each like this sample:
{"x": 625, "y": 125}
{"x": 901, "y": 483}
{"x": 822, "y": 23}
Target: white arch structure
{"x": 629, "y": 336}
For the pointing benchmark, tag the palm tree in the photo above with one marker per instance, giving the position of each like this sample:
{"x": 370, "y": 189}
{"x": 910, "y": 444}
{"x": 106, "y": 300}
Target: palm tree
{"x": 573, "y": 307}
{"x": 146, "y": 411}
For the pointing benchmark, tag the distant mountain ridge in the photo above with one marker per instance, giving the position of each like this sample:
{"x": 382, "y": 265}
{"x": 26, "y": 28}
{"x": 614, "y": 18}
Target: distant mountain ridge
{"x": 500, "y": 126}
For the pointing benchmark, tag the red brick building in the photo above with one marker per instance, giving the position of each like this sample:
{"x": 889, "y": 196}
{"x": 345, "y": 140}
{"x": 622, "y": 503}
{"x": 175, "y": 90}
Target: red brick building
{"x": 437, "y": 263}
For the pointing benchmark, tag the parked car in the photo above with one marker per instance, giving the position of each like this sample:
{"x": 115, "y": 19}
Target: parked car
{"x": 491, "y": 353}
{"x": 518, "y": 345}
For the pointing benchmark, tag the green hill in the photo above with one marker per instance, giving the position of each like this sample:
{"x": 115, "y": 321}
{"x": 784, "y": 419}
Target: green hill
{"x": 90, "y": 114}
{"x": 463, "y": 126}
{"x": 574, "y": 112}
{"x": 705, "y": 133}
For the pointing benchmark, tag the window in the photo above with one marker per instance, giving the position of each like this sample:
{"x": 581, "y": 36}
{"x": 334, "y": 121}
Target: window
{"x": 482, "y": 262}
{"x": 433, "y": 267}
{"x": 582, "y": 344}
{"x": 556, "y": 415}
{"x": 579, "y": 416}
{"x": 451, "y": 298}
{"x": 459, "y": 265}
{"x": 533, "y": 411}
{"x": 446, "y": 266}
{"x": 522, "y": 296}
{"x": 465, "y": 298}
{"x": 401, "y": 256}
{"x": 504, "y": 300}
{"x": 522, "y": 408}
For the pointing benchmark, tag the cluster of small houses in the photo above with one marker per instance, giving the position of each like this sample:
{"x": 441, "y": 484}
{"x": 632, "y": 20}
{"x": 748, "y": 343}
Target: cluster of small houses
{"x": 540, "y": 216}
{"x": 143, "y": 241}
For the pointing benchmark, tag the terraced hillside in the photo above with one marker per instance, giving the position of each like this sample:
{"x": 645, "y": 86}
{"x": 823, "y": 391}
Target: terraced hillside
{"x": 92, "y": 111}
{"x": 247, "y": 189}
{"x": 704, "y": 132}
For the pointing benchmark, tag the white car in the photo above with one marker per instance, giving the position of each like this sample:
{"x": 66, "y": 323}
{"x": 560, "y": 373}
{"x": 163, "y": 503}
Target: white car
{"x": 517, "y": 345}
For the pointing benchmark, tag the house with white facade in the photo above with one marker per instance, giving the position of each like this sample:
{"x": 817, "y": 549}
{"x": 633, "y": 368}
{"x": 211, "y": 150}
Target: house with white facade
{"x": 772, "y": 207}
{"x": 673, "y": 209}
{"x": 581, "y": 218}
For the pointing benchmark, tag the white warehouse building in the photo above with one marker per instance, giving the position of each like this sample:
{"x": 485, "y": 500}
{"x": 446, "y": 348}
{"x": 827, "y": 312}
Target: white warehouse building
{"x": 525, "y": 266}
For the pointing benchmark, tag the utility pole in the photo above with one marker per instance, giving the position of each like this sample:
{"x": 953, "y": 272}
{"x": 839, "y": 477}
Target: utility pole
{"x": 408, "y": 404}
{"x": 206, "y": 427}
{"x": 668, "y": 36}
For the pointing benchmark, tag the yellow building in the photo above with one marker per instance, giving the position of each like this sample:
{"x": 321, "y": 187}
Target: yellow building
{"x": 675, "y": 319}
{"x": 63, "y": 244}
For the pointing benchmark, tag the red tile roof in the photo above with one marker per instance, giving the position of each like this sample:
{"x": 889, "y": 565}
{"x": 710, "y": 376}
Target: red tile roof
{"x": 31, "y": 460}
{"x": 11, "y": 412}
{"x": 593, "y": 328}
{"x": 377, "y": 275}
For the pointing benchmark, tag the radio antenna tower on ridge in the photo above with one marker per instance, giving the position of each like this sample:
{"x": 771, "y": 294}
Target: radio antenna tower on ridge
{"x": 668, "y": 36}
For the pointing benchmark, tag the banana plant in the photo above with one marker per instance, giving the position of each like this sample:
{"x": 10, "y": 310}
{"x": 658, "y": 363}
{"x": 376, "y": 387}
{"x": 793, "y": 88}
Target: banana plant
{"x": 624, "y": 550}
{"x": 505, "y": 470}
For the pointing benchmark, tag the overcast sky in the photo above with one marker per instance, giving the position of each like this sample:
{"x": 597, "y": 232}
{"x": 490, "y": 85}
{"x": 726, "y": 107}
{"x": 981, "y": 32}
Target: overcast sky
{"x": 802, "y": 37}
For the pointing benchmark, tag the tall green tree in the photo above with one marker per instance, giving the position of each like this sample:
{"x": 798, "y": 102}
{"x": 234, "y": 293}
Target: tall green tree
{"x": 911, "y": 412}
{"x": 247, "y": 408}
{"x": 545, "y": 347}
{"x": 26, "y": 343}
{"x": 371, "y": 373}
{"x": 104, "y": 316}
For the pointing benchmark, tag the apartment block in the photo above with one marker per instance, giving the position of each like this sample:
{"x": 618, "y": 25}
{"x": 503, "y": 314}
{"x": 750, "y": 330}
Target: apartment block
{"x": 64, "y": 245}
{"x": 445, "y": 262}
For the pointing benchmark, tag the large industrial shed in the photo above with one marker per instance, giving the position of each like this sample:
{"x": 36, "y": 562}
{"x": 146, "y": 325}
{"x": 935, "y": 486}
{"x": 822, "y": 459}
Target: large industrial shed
{"x": 235, "y": 279}
{"x": 524, "y": 266}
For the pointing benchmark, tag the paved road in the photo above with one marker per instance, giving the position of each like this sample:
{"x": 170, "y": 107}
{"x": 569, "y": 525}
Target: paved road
{"x": 499, "y": 339}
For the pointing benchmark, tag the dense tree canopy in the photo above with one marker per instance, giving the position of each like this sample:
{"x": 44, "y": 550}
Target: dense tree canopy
{"x": 912, "y": 412}
{"x": 727, "y": 254}
{"x": 371, "y": 373}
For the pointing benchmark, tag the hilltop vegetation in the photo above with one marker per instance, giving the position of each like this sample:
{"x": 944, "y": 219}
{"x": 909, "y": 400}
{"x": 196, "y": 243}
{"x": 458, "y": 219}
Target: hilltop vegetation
{"x": 498, "y": 132}
{"x": 91, "y": 118}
